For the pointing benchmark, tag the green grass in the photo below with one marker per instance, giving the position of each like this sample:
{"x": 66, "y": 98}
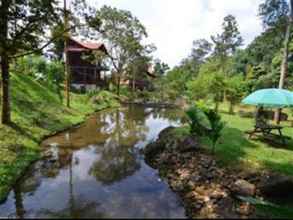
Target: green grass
{"x": 37, "y": 111}
{"x": 234, "y": 149}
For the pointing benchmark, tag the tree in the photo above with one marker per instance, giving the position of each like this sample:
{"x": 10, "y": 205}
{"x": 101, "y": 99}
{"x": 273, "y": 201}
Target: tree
{"x": 137, "y": 70}
{"x": 160, "y": 68}
{"x": 201, "y": 48}
{"x": 191, "y": 65}
{"x": 123, "y": 34}
{"x": 229, "y": 40}
{"x": 235, "y": 90}
{"x": 277, "y": 13}
{"x": 226, "y": 43}
{"x": 22, "y": 24}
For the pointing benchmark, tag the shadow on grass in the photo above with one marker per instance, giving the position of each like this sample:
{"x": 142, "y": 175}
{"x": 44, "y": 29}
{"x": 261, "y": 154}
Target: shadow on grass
{"x": 22, "y": 131}
{"x": 232, "y": 146}
{"x": 277, "y": 142}
{"x": 284, "y": 167}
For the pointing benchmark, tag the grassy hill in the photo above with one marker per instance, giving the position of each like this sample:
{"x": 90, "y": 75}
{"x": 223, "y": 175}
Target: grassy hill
{"x": 37, "y": 111}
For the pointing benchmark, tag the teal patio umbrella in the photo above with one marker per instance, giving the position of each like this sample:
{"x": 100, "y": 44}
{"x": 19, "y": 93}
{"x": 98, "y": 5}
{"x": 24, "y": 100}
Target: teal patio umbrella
{"x": 272, "y": 98}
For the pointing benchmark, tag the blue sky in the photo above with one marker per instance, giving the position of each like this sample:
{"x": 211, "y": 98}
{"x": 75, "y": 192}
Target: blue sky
{"x": 172, "y": 25}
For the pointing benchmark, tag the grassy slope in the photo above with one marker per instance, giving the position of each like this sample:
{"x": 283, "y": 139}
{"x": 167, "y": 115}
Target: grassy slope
{"x": 235, "y": 149}
{"x": 37, "y": 111}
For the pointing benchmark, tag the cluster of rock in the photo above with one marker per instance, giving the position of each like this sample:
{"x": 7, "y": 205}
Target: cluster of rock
{"x": 207, "y": 190}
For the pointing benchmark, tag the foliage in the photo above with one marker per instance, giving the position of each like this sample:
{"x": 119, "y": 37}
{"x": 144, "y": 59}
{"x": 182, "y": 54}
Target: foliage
{"x": 229, "y": 40}
{"x": 273, "y": 12}
{"x": 216, "y": 127}
{"x": 104, "y": 98}
{"x": 123, "y": 34}
{"x": 197, "y": 121}
{"x": 205, "y": 122}
{"x": 236, "y": 89}
{"x": 49, "y": 73}
{"x": 160, "y": 68}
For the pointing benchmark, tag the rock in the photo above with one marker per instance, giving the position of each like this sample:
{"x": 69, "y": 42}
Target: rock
{"x": 46, "y": 154}
{"x": 277, "y": 186}
{"x": 244, "y": 209}
{"x": 188, "y": 144}
{"x": 243, "y": 188}
{"x": 166, "y": 132}
{"x": 178, "y": 186}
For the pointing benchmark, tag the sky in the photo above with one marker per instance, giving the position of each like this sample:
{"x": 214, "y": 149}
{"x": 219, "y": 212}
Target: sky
{"x": 173, "y": 25}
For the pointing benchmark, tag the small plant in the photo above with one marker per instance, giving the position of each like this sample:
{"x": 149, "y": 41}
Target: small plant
{"x": 205, "y": 122}
{"x": 217, "y": 126}
{"x": 197, "y": 121}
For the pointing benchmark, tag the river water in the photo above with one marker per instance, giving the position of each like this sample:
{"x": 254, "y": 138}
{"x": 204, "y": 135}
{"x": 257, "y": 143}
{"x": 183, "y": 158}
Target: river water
{"x": 97, "y": 171}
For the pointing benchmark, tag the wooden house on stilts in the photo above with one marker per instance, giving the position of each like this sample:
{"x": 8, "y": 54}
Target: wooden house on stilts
{"x": 85, "y": 75}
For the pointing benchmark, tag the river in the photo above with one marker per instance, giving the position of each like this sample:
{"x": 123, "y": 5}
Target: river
{"x": 98, "y": 171}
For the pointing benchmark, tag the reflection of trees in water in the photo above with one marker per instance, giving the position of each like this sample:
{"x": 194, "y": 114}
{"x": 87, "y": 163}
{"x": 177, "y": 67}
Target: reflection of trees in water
{"x": 81, "y": 211}
{"x": 19, "y": 208}
{"x": 114, "y": 165}
{"x": 117, "y": 131}
{"x": 75, "y": 209}
{"x": 170, "y": 114}
{"x": 118, "y": 159}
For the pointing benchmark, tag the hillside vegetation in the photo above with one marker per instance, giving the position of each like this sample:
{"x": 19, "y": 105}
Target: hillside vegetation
{"x": 37, "y": 111}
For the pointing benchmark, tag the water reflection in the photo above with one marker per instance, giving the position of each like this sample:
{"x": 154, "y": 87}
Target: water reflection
{"x": 97, "y": 171}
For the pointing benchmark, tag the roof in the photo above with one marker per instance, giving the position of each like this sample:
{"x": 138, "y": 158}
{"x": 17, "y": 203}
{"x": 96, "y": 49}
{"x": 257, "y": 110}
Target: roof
{"x": 86, "y": 46}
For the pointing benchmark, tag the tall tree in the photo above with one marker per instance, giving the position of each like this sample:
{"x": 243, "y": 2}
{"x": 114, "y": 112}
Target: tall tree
{"x": 226, "y": 43}
{"x": 278, "y": 13}
{"x": 22, "y": 25}
{"x": 201, "y": 48}
{"x": 229, "y": 40}
{"x": 123, "y": 34}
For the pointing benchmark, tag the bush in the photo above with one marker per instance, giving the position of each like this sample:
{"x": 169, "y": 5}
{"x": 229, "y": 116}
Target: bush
{"x": 205, "y": 122}
{"x": 104, "y": 98}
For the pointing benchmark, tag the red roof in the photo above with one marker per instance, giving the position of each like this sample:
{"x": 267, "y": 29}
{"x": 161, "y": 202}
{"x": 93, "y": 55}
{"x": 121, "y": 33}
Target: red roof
{"x": 86, "y": 46}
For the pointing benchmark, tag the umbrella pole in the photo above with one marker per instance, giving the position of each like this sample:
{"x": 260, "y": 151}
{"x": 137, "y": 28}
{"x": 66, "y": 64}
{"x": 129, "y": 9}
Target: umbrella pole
{"x": 277, "y": 116}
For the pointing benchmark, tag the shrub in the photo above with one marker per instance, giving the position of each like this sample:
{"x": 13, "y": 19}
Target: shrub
{"x": 197, "y": 121}
{"x": 205, "y": 122}
{"x": 104, "y": 98}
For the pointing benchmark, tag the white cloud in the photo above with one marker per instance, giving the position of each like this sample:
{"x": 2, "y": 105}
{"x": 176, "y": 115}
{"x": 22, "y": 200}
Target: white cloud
{"x": 173, "y": 24}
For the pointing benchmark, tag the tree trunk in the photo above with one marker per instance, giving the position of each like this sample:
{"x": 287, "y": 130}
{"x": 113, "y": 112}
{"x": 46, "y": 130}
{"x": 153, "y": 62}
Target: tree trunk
{"x": 231, "y": 108}
{"x": 118, "y": 84}
{"x": 66, "y": 57}
{"x": 5, "y": 112}
{"x": 19, "y": 207}
{"x": 133, "y": 85}
{"x": 284, "y": 67}
{"x": 216, "y": 106}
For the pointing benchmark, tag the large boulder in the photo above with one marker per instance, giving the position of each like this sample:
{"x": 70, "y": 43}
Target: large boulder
{"x": 188, "y": 144}
{"x": 277, "y": 186}
{"x": 243, "y": 188}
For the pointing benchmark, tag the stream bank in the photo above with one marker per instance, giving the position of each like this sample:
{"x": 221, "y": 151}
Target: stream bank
{"x": 20, "y": 142}
{"x": 207, "y": 189}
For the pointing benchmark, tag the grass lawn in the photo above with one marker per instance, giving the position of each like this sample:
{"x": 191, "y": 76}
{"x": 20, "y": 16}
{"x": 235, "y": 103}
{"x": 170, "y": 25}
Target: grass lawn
{"x": 37, "y": 111}
{"x": 235, "y": 149}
